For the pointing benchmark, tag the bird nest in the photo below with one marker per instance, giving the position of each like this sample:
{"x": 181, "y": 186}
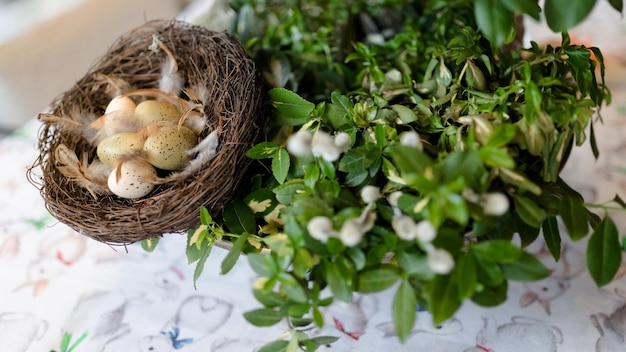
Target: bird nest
{"x": 210, "y": 75}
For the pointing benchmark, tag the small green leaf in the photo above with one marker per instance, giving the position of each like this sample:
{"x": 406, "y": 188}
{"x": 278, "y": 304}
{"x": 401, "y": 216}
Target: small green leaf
{"x": 552, "y": 236}
{"x": 233, "y": 254}
{"x": 292, "y": 288}
{"x": 204, "y": 255}
{"x": 280, "y": 165}
{"x": 496, "y": 157}
{"x": 403, "y": 310}
{"x": 529, "y": 211}
{"x": 263, "y": 317}
{"x": 275, "y": 346}
{"x": 502, "y": 135}
{"x": 262, "y": 150}
{"x": 340, "y": 285}
{"x": 603, "y": 252}
{"x": 376, "y": 280}
{"x": 492, "y": 296}
{"x": 324, "y": 340}
{"x": 149, "y": 244}
{"x": 405, "y": 114}
{"x": 519, "y": 180}
{"x": 205, "y": 217}
{"x": 359, "y": 158}
{"x": 257, "y": 264}
{"x": 290, "y": 105}
{"x": 526, "y": 268}
{"x": 268, "y": 298}
{"x": 239, "y": 217}
{"x": 288, "y": 191}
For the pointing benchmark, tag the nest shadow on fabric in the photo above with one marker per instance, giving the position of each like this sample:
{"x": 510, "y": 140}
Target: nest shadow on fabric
{"x": 236, "y": 110}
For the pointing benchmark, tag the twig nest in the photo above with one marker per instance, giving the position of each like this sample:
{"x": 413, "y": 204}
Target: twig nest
{"x": 159, "y": 126}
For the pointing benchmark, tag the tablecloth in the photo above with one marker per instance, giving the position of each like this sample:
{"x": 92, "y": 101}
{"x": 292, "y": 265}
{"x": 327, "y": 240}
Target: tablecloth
{"x": 55, "y": 283}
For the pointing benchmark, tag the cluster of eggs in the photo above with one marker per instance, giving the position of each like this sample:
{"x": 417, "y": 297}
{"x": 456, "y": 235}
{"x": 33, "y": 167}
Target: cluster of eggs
{"x": 142, "y": 139}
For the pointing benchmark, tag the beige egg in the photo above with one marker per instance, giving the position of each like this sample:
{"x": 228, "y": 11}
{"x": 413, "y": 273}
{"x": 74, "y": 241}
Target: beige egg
{"x": 150, "y": 111}
{"x": 121, "y": 105}
{"x": 133, "y": 178}
{"x": 112, "y": 148}
{"x": 166, "y": 148}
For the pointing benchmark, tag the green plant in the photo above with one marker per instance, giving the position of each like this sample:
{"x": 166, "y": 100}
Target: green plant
{"x": 409, "y": 153}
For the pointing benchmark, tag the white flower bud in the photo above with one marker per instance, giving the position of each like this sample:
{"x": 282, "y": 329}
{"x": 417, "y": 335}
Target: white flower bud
{"x": 440, "y": 261}
{"x": 470, "y": 195}
{"x": 331, "y": 153}
{"x": 425, "y": 231}
{"x": 411, "y": 139}
{"x": 321, "y": 141}
{"x": 321, "y": 228}
{"x": 370, "y": 194}
{"x": 495, "y": 203}
{"x": 404, "y": 226}
{"x": 342, "y": 141}
{"x": 393, "y": 198}
{"x": 351, "y": 233}
{"x": 299, "y": 144}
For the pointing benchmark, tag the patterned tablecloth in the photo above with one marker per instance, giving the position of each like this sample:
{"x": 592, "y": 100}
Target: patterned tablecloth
{"x": 54, "y": 281}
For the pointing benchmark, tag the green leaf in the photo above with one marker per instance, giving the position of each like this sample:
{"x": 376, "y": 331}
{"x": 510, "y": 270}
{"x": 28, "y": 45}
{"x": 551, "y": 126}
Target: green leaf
{"x": 292, "y": 288}
{"x": 268, "y": 298}
{"x": 275, "y": 346}
{"x": 376, "y": 280}
{"x": 499, "y": 251}
{"x": 491, "y": 296}
{"x": 280, "y": 165}
{"x": 562, "y": 15}
{"x": 496, "y": 157}
{"x": 340, "y": 285}
{"x": 573, "y": 213}
{"x": 257, "y": 263}
{"x": 617, "y": 5}
{"x": 204, "y": 255}
{"x": 205, "y": 217}
{"x": 552, "y": 236}
{"x": 291, "y": 107}
{"x": 149, "y": 244}
{"x": 359, "y": 158}
{"x": 324, "y": 340}
{"x": 502, "y": 135}
{"x": 529, "y": 211}
{"x": 239, "y": 217}
{"x": 526, "y": 268}
{"x": 494, "y": 20}
{"x": 403, "y": 310}
{"x": 529, "y": 7}
{"x": 444, "y": 298}
{"x": 262, "y": 150}
{"x": 603, "y": 252}
{"x": 405, "y": 114}
{"x": 466, "y": 276}
{"x": 233, "y": 254}
{"x": 288, "y": 191}
{"x": 263, "y": 317}
{"x": 519, "y": 180}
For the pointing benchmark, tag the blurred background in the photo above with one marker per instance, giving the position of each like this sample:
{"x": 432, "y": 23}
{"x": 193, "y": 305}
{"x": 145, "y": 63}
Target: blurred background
{"x": 46, "y": 45}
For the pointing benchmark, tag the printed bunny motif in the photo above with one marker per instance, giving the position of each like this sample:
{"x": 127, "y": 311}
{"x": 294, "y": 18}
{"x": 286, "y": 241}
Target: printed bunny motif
{"x": 101, "y": 314}
{"x": 53, "y": 259}
{"x": 513, "y": 336}
{"x": 19, "y": 330}
{"x": 570, "y": 265}
{"x": 348, "y": 321}
{"x": 196, "y": 318}
{"x": 612, "y": 329}
{"x": 424, "y": 336}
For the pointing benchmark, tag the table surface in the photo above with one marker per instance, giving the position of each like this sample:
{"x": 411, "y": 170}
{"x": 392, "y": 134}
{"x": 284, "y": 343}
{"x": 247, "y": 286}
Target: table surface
{"x": 55, "y": 281}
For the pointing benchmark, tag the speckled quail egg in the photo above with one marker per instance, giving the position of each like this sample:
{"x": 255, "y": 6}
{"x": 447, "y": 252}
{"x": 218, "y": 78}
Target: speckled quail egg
{"x": 132, "y": 178}
{"x": 166, "y": 147}
{"x": 112, "y": 148}
{"x": 150, "y": 111}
